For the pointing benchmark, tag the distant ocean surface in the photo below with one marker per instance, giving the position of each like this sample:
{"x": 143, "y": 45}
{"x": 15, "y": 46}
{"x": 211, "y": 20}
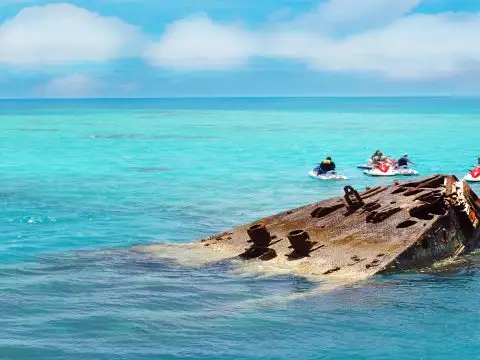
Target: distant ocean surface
{"x": 84, "y": 181}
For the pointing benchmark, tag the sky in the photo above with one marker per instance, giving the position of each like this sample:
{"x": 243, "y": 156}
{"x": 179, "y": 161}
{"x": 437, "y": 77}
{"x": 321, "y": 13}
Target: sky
{"x": 211, "y": 48}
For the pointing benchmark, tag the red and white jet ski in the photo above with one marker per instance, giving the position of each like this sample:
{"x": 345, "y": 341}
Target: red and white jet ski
{"x": 389, "y": 169}
{"x": 382, "y": 169}
{"x": 473, "y": 175}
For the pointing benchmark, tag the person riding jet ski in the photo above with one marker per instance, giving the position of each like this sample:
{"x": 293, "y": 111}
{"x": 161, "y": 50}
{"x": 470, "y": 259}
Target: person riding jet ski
{"x": 404, "y": 161}
{"x": 326, "y": 166}
{"x": 377, "y": 157}
{"x": 376, "y": 154}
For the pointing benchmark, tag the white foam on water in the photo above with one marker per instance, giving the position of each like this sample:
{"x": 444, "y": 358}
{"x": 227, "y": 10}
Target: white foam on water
{"x": 194, "y": 255}
{"x": 185, "y": 254}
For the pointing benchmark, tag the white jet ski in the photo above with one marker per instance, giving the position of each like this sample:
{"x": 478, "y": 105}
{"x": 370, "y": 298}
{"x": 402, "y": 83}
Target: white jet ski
{"x": 330, "y": 175}
{"x": 473, "y": 175}
{"x": 382, "y": 169}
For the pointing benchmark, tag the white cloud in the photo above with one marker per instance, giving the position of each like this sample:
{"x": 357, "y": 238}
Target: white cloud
{"x": 196, "y": 43}
{"x": 413, "y": 47}
{"x": 71, "y": 86}
{"x": 389, "y": 41}
{"x": 351, "y": 15}
{"x": 382, "y": 37}
{"x": 63, "y": 33}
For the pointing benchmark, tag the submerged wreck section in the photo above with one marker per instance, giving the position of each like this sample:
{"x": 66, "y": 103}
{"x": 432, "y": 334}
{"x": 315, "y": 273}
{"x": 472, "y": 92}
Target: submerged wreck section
{"x": 382, "y": 229}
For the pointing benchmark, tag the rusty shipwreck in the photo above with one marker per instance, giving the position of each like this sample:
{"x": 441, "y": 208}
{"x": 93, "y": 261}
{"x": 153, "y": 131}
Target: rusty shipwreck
{"x": 404, "y": 226}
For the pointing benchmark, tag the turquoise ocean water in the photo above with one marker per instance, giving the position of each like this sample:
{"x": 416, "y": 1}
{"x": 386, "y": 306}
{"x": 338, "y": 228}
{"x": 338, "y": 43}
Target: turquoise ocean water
{"x": 83, "y": 181}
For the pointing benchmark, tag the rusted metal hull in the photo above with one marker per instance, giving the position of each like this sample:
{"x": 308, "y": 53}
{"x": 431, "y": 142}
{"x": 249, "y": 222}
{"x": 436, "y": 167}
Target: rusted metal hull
{"x": 390, "y": 228}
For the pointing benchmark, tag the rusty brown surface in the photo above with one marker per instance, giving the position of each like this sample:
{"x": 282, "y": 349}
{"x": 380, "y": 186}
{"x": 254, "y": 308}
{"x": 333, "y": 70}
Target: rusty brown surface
{"x": 390, "y": 228}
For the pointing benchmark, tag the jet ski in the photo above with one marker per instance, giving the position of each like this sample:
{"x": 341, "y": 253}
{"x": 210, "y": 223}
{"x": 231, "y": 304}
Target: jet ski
{"x": 330, "y": 175}
{"x": 382, "y": 169}
{"x": 473, "y": 175}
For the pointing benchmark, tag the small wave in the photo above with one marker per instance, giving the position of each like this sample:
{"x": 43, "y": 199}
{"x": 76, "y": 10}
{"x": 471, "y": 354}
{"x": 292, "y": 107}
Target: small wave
{"x": 33, "y": 130}
{"x": 35, "y": 219}
{"x": 150, "y": 137}
{"x": 151, "y": 169}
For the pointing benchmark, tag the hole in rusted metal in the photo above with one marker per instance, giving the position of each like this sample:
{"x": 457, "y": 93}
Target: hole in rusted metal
{"x": 371, "y": 216}
{"x": 421, "y": 213}
{"x": 427, "y": 211}
{"x": 372, "y": 206}
{"x": 381, "y": 215}
{"x": 331, "y": 270}
{"x": 430, "y": 197}
{"x": 399, "y": 190}
{"x": 437, "y": 208}
{"x": 406, "y": 224}
{"x": 324, "y": 211}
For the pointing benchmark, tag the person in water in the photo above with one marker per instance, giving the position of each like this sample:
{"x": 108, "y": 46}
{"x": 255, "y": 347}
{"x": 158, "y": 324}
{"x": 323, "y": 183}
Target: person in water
{"x": 404, "y": 161}
{"x": 326, "y": 166}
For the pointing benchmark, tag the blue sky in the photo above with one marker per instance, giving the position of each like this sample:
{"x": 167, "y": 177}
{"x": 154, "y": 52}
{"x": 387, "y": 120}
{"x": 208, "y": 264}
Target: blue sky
{"x": 189, "y": 48}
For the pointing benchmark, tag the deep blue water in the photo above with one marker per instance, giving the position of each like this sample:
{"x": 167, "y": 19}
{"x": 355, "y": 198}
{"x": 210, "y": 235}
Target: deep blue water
{"x": 83, "y": 181}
